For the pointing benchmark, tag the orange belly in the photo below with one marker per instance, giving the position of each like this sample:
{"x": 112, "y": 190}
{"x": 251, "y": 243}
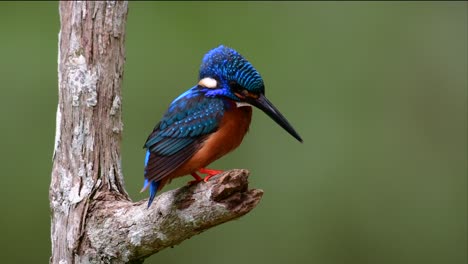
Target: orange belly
{"x": 231, "y": 131}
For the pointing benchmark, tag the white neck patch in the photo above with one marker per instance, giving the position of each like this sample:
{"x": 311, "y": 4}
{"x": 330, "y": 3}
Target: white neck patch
{"x": 208, "y": 82}
{"x": 242, "y": 104}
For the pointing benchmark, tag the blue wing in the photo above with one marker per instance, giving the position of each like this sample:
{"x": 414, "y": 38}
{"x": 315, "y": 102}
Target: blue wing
{"x": 179, "y": 135}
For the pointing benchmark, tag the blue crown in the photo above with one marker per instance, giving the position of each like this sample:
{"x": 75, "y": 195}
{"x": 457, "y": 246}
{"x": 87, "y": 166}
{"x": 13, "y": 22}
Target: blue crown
{"x": 226, "y": 64}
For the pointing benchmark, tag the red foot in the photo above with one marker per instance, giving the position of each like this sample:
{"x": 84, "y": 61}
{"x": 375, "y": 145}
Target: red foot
{"x": 210, "y": 173}
{"x": 197, "y": 178}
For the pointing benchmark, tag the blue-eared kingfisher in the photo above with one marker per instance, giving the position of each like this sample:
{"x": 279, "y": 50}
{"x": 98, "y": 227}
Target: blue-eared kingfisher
{"x": 207, "y": 121}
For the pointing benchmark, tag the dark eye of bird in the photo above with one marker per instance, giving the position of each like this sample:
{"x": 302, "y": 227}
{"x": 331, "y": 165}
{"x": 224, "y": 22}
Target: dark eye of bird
{"x": 235, "y": 87}
{"x": 240, "y": 91}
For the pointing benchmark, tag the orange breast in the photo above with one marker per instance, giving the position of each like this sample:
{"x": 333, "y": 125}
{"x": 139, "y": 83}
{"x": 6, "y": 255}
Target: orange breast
{"x": 229, "y": 135}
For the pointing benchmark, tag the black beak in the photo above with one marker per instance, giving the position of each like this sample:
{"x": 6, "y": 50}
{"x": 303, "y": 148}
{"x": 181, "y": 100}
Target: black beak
{"x": 266, "y": 106}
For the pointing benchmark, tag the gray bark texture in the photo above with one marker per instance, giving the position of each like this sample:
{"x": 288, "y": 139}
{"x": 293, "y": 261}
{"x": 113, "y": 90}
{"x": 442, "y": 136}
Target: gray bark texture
{"x": 93, "y": 218}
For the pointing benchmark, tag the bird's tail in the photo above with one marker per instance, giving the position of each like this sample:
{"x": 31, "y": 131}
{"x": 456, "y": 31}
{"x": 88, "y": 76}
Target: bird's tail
{"x": 153, "y": 185}
{"x": 152, "y": 190}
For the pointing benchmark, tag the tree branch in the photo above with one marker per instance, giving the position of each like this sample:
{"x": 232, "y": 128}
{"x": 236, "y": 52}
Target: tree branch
{"x": 125, "y": 231}
{"x": 93, "y": 219}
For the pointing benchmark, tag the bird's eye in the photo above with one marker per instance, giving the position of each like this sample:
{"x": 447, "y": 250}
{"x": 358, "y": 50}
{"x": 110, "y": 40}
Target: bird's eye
{"x": 235, "y": 87}
{"x": 238, "y": 90}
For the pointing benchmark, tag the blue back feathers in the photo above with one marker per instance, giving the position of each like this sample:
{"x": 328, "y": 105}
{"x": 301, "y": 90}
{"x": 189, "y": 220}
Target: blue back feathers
{"x": 187, "y": 118}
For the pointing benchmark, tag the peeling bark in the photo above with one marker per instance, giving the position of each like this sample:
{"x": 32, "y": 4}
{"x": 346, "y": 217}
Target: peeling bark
{"x": 93, "y": 218}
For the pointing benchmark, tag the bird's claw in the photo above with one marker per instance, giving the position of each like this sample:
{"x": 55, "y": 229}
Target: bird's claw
{"x": 207, "y": 178}
{"x": 210, "y": 173}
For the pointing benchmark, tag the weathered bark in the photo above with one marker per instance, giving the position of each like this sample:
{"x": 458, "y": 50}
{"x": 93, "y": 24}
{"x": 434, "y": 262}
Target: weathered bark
{"x": 93, "y": 218}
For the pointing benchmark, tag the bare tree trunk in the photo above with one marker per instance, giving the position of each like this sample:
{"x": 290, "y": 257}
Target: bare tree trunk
{"x": 93, "y": 218}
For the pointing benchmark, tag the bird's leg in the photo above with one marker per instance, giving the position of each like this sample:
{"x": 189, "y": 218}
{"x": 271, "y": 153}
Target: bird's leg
{"x": 197, "y": 178}
{"x": 210, "y": 173}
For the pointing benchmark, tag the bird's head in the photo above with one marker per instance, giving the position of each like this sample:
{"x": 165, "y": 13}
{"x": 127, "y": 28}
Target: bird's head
{"x": 225, "y": 73}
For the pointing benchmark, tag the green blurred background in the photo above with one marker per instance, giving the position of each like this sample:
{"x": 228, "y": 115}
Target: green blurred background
{"x": 378, "y": 91}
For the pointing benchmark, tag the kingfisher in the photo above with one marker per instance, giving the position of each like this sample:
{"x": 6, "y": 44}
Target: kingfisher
{"x": 207, "y": 121}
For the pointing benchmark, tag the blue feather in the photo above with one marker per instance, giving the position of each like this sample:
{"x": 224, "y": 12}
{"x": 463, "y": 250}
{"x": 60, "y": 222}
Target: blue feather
{"x": 152, "y": 190}
{"x": 153, "y": 186}
{"x": 147, "y": 157}
{"x": 189, "y": 117}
